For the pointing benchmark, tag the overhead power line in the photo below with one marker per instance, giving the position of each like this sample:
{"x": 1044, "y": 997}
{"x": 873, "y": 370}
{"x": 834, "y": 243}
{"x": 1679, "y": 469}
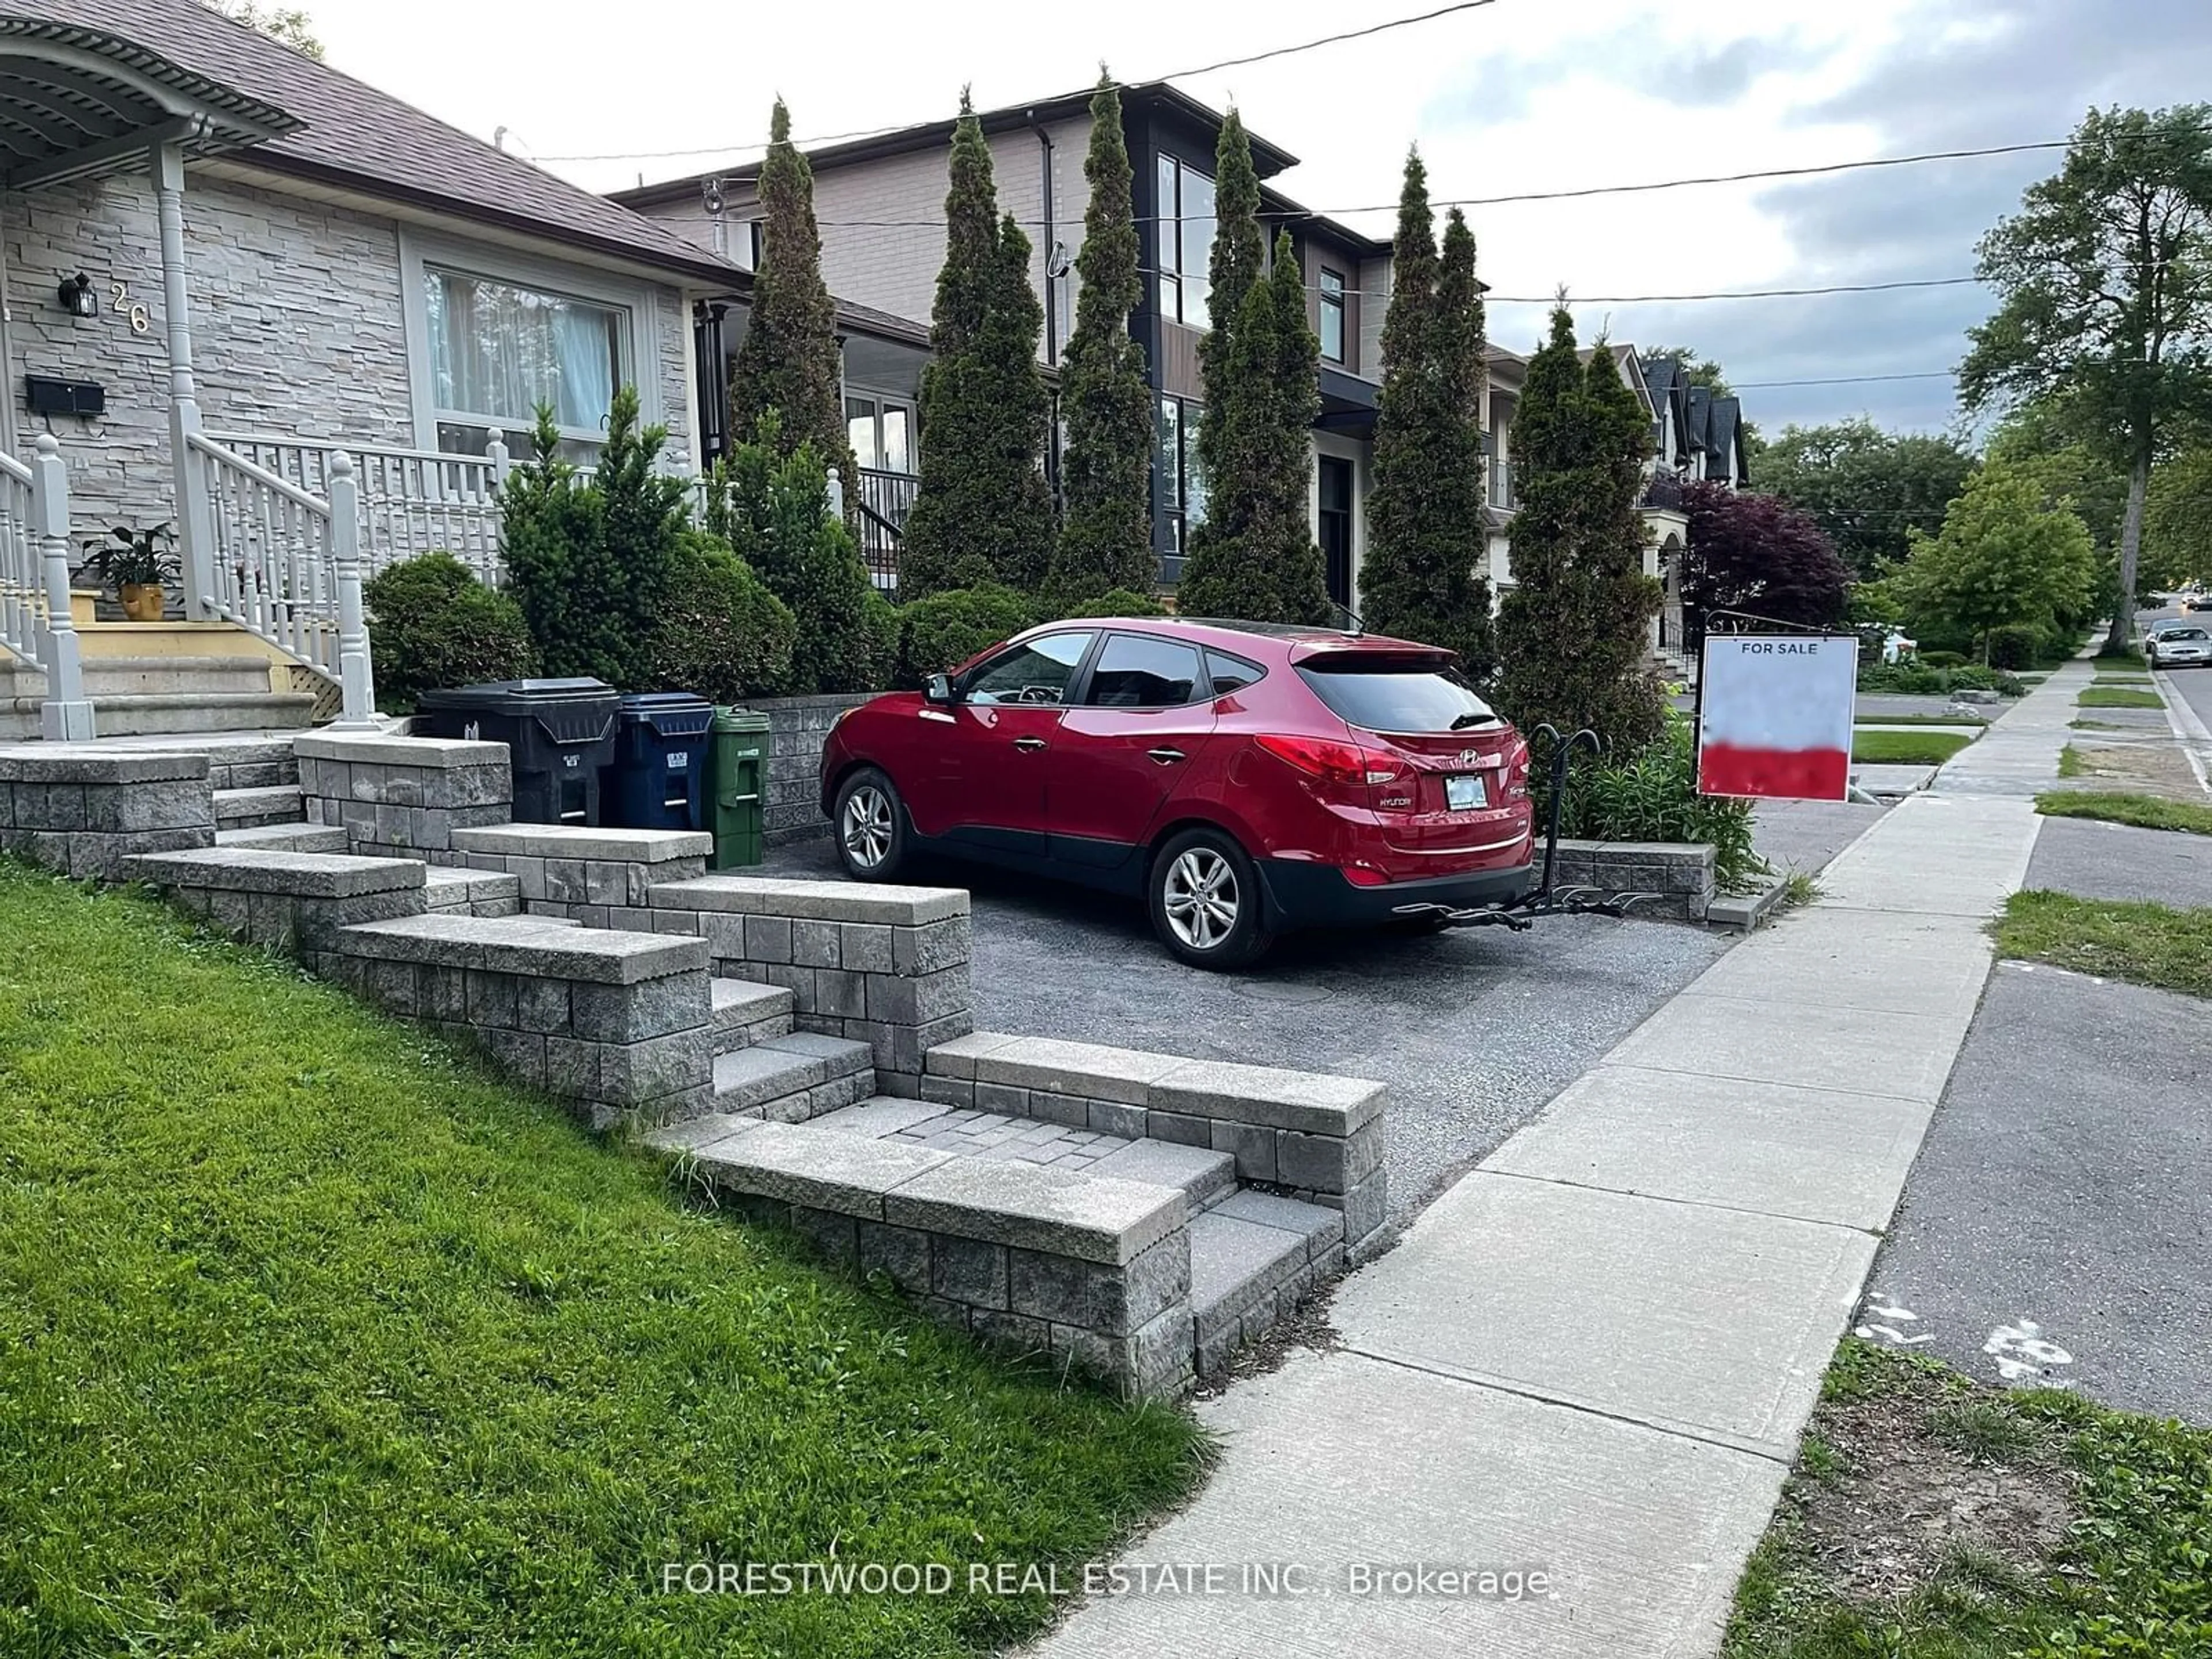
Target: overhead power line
{"x": 1267, "y": 56}
{"x": 1851, "y": 380}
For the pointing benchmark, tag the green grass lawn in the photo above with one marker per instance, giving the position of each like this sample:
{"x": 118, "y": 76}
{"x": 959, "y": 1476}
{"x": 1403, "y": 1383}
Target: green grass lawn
{"x": 2117, "y": 696}
{"x": 1929, "y": 1516}
{"x": 316, "y": 1338}
{"x": 1917, "y": 720}
{"x": 2155, "y": 945}
{"x": 2144, "y": 811}
{"x": 1905, "y": 748}
{"x": 2069, "y": 761}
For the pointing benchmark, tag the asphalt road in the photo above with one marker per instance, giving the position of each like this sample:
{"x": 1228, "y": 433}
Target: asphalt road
{"x": 2057, "y": 1225}
{"x": 1474, "y": 1031}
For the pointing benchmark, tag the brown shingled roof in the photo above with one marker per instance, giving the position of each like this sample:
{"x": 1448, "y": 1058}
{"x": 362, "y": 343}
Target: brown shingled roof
{"x": 357, "y": 137}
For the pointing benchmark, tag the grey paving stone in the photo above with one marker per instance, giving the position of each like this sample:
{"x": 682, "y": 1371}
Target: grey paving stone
{"x": 1309, "y": 1101}
{"x": 1199, "y": 1171}
{"x": 528, "y": 946}
{"x": 262, "y": 870}
{"x": 1089, "y": 1071}
{"x": 815, "y": 901}
{"x": 957, "y": 1057}
{"x": 1234, "y": 1262}
{"x": 805, "y": 1164}
{"x": 611, "y": 846}
{"x": 880, "y": 1116}
{"x": 1091, "y": 1218}
{"x": 1319, "y": 1226}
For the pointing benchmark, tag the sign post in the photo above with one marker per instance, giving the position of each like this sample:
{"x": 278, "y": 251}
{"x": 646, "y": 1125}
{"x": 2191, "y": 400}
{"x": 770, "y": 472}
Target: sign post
{"x": 1775, "y": 715}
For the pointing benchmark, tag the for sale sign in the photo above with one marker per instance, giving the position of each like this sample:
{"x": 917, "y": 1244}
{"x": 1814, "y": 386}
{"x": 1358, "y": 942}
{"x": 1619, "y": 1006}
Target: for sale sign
{"x": 1775, "y": 719}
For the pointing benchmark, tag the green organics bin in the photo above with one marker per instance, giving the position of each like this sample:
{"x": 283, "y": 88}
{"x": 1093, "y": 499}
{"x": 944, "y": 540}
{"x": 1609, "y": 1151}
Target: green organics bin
{"x": 737, "y": 785}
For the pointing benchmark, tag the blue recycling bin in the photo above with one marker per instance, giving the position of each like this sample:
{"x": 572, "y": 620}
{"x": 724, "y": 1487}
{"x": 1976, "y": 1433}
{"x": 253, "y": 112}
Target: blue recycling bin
{"x": 657, "y": 779}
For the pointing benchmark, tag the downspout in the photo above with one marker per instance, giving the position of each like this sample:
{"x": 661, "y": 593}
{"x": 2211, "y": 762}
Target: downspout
{"x": 1047, "y": 161}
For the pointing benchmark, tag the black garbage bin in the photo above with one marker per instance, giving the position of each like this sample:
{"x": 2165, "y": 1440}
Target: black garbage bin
{"x": 559, "y": 735}
{"x": 657, "y": 778}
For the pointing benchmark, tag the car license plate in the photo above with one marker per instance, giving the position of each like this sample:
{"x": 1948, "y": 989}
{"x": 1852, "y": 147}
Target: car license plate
{"x": 1463, "y": 794}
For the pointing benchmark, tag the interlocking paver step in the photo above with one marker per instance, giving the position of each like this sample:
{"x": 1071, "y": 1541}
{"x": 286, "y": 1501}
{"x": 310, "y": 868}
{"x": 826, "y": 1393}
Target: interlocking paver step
{"x": 746, "y": 1013}
{"x": 794, "y": 1078}
{"x": 242, "y": 809}
{"x": 284, "y": 837}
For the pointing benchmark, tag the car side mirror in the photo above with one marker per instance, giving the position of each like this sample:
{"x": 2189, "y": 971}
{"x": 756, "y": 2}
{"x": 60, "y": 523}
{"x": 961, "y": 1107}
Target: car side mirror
{"x": 938, "y": 689}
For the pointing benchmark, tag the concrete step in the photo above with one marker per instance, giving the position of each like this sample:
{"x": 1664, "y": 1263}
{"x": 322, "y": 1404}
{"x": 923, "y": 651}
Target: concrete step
{"x": 1253, "y": 1259}
{"x": 1204, "y": 1176}
{"x": 115, "y": 676}
{"x": 246, "y": 809}
{"x": 791, "y": 1079}
{"x": 284, "y": 838}
{"x": 746, "y": 1013}
{"x": 199, "y": 712}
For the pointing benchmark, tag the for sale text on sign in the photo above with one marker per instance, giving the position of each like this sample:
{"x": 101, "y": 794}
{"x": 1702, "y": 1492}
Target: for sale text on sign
{"x": 1776, "y": 716}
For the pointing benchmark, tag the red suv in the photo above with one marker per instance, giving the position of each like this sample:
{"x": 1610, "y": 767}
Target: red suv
{"x": 1246, "y": 780}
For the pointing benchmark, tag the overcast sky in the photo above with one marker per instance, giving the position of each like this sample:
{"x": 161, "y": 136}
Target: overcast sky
{"x": 1521, "y": 94}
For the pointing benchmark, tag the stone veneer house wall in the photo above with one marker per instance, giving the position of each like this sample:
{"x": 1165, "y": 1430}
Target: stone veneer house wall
{"x": 309, "y": 258}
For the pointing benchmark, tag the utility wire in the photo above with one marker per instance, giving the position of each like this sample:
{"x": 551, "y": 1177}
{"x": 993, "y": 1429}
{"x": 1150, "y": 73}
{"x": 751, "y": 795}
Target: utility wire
{"x": 1273, "y": 52}
{"x": 1852, "y": 379}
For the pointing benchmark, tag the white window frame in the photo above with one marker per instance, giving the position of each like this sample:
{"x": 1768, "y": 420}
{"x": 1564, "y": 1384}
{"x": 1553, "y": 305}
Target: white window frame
{"x": 884, "y": 401}
{"x": 419, "y": 251}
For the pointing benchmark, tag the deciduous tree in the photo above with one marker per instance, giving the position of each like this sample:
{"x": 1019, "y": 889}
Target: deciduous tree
{"x": 1106, "y": 528}
{"x": 1867, "y": 489}
{"x": 2003, "y": 559}
{"x": 2105, "y": 308}
{"x": 1759, "y": 554}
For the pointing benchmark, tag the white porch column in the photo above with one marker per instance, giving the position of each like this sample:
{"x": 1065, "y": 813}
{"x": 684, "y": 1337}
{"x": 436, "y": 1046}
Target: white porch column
{"x": 195, "y": 514}
{"x": 356, "y": 684}
{"x": 65, "y": 716}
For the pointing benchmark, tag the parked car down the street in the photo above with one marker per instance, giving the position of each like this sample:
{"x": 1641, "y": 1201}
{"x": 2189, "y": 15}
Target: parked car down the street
{"x": 2184, "y": 647}
{"x": 1243, "y": 780}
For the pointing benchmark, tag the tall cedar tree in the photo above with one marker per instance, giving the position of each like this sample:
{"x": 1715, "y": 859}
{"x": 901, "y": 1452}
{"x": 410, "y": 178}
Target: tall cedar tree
{"x": 1255, "y": 555}
{"x": 1106, "y": 531}
{"x": 788, "y": 361}
{"x": 982, "y": 513}
{"x": 1426, "y": 541}
{"x": 2105, "y": 313}
{"x": 1573, "y": 634}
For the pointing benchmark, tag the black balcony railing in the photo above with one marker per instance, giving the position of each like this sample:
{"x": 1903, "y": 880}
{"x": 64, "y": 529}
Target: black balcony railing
{"x": 1664, "y": 492}
{"x": 886, "y": 498}
{"x": 1501, "y": 486}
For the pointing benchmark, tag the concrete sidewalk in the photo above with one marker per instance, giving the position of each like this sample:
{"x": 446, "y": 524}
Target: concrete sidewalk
{"x": 1593, "y": 1356}
{"x": 2017, "y": 758}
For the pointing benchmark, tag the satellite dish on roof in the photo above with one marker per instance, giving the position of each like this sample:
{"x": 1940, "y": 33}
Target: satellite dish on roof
{"x": 1059, "y": 261}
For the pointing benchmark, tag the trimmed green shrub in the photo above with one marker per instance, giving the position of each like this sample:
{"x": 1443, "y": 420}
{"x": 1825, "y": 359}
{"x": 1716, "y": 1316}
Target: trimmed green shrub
{"x": 1919, "y": 680}
{"x": 590, "y": 560}
{"x": 432, "y": 624}
{"x": 1120, "y": 602}
{"x": 937, "y": 633}
{"x": 723, "y": 633}
{"x": 1651, "y": 793}
{"x": 2014, "y": 645}
{"x": 1940, "y": 659}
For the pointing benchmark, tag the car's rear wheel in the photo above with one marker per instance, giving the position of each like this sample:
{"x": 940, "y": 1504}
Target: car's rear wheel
{"x": 1206, "y": 901}
{"x": 872, "y": 828}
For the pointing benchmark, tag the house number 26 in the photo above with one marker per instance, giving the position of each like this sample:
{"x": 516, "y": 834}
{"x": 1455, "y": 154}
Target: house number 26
{"x": 125, "y": 305}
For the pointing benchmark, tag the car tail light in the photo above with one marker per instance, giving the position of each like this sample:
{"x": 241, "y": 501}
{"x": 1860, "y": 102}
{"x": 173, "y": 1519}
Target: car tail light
{"x": 1365, "y": 875}
{"x": 1343, "y": 763}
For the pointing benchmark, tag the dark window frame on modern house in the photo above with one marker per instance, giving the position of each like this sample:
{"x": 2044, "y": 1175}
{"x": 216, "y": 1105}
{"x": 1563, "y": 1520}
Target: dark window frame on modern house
{"x": 1336, "y": 487}
{"x": 1332, "y": 314}
{"x": 1182, "y": 487}
{"x": 1184, "y": 243}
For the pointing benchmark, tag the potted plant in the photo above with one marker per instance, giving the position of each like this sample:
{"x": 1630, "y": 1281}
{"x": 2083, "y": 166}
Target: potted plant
{"x": 139, "y": 565}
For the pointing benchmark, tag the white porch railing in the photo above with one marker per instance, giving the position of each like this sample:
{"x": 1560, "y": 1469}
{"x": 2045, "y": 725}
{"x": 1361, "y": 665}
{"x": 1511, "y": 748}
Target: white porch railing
{"x": 34, "y": 587}
{"x": 284, "y": 563}
{"x": 413, "y": 501}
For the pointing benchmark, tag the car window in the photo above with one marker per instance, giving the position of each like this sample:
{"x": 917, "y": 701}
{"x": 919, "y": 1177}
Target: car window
{"x": 2184, "y": 634}
{"x": 1232, "y": 673}
{"x": 1385, "y": 694}
{"x": 1036, "y": 672}
{"x": 1141, "y": 670}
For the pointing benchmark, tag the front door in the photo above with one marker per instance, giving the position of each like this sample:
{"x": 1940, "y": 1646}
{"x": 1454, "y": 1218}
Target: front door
{"x": 1334, "y": 527}
{"x": 1136, "y": 729}
{"x": 979, "y": 776}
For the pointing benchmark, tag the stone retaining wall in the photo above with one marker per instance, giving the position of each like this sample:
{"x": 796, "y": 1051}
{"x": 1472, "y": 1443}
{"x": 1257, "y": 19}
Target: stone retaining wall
{"x": 886, "y": 966}
{"x": 404, "y": 797}
{"x": 599, "y": 877}
{"x": 798, "y": 727}
{"x": 1303, "y": 1134}
{"x": 293, "y": 902}
{"x": 615, "y": 1024}
{"x": 1091, "y": 1272}
{"x": 85, "y": 811}
{"x": 1681, "y": 874}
